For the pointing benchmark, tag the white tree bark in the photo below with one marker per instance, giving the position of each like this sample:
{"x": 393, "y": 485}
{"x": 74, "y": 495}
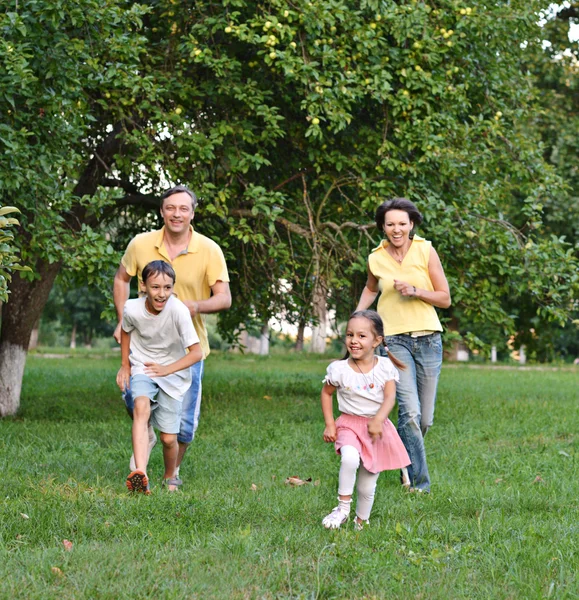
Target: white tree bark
{"x": 320, "y": 331}
{"x": 12, "y": 362}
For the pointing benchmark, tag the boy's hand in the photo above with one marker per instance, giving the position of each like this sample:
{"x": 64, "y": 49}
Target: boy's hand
{"x": 124, "y": 378}
{"x": 330, "y": 433}
{"x": 375, "y": 429}
{"x": 155, "y": 370}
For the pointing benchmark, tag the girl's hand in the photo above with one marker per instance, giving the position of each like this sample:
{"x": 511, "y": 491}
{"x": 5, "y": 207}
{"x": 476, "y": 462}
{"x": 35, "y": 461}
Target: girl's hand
{"x": 124, "y": 378}
{"x": 330, "y": 433}
{"x": 155, "y": 370}
{"x": 375, "y": 429}
{"x": 404, "y": 288}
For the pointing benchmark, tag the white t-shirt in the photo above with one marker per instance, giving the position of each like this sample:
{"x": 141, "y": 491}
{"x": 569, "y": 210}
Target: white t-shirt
{"x": 161, "y": 339}
{"x": 361, "y": 394}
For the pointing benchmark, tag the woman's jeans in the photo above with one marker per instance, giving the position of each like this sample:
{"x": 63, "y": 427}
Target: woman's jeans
{"x": 416, "y": 395}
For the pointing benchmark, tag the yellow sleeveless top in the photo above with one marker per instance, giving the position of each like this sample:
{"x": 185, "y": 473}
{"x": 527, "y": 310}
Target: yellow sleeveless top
{"x": 403, "y": 314}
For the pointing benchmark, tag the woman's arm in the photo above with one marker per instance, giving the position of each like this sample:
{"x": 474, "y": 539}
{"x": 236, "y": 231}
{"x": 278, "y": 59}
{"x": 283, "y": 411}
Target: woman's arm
{"x": 440, "y": 296}
{"x": 328, "y": 411}
{"x": 369, "y": 292}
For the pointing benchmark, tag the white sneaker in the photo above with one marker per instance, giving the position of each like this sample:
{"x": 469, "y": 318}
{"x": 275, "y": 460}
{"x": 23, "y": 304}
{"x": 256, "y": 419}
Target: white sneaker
{"x": 152, "y": 442}
{"x": 336, "y": 518}
{"x": 359, "y": 525}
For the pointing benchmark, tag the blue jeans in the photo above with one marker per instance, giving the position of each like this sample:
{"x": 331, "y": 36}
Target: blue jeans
{"x": 416, "y": 395}
{"x": 191, "y": 405}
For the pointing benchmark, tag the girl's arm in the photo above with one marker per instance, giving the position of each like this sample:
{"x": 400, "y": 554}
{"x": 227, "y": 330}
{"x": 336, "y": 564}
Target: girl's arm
{"x": 194, "y": 356}
{"x": 124, "y": 374}
{"x": 369, "y": 292}
{"x": 328, "y": 410}
{"x": 440, "y": 297}
{"x": 375, "y": 423}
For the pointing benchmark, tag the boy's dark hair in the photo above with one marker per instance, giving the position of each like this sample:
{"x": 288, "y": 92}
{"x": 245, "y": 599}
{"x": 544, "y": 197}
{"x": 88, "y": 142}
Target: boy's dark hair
{"x": 397, "y": 204}
{"x": 177, "y": 190}
{"x": 155, "y": 267}
{"x": 378, "y": 329}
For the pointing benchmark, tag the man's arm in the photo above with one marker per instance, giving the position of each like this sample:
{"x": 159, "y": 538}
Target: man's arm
{"x": 220, "y": 300}
{"x": 121, "y": 292}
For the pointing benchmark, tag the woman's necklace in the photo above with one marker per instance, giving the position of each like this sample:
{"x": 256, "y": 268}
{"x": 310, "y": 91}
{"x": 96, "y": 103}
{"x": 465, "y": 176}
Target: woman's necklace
{"x": 395, "y": 256}
{"x": 369, "y": 385}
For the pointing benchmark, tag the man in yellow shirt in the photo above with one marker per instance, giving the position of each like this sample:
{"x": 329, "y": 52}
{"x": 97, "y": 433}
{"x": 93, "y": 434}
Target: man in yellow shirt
{"x": 202, "y": 283}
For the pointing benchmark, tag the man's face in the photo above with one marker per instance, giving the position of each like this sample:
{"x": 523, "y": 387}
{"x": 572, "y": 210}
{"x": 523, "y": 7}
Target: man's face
{"x": 177, "y": 212}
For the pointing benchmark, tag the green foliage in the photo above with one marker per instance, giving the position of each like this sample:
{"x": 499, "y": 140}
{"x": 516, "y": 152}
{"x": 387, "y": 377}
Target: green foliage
{"x": 292, "y": 122}
{"x": 8, "y": 257}
{"x": 500, "y": 522}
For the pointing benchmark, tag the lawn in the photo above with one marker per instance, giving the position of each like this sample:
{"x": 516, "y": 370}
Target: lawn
{"x": 501, "y": 521}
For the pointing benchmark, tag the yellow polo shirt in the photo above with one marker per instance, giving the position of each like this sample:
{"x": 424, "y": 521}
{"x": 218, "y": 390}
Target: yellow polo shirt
{"x": 196, "y": 269}
{"x": 404, "y": 314}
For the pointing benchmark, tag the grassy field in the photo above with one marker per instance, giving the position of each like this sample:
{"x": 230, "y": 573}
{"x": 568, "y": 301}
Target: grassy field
{"x": 501, "y": 522}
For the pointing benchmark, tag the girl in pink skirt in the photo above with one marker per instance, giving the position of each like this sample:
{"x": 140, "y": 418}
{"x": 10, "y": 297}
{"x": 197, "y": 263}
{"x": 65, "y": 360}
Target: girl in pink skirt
{"x": 366, "y": 387}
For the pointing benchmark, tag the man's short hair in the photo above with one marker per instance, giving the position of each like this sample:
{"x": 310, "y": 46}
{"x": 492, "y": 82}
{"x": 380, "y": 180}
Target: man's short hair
{"x": 177, "y": 190}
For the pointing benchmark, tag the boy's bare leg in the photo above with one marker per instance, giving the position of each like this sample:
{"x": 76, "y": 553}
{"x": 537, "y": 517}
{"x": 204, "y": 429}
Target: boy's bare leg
{"x": 170, "y": 453}
{"x": 141, "y": 415}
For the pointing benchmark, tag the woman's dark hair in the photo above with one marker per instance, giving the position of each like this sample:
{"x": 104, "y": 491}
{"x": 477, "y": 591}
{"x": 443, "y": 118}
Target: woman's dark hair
{"x": 155, "y": 267}
{"x": 397, "y": 204}
{"x": 378, "y": 329}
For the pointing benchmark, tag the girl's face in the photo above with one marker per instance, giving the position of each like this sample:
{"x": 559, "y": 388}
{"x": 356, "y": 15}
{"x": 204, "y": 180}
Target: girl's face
{"x": 158, "y": 289}
{"x": 397, "y": 227}
{"x": 361, "y": 340}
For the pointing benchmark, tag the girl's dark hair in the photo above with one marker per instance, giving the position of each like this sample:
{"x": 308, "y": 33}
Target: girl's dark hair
{"x": 155, "y": 267}
{"x": 378, "y": 329}
{"x": 397, "y": 204}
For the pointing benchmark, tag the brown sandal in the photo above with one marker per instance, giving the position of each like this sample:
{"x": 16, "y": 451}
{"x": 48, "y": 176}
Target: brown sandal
{"x": 137, "y": 481}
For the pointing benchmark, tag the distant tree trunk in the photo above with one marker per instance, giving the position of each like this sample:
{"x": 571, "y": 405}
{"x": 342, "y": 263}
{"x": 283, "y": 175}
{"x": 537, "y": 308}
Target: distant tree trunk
{"x": 73, "y": 336}
{"x": 18, "y": 319}
{"x": 33, "y": 343}
{"x": 319, "y": 331}
{"x": 300, "y": 336}
{"x": 264, "y": 340}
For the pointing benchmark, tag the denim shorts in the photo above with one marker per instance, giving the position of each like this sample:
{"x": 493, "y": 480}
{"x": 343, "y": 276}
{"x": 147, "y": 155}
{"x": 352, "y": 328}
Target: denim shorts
{"x": 165, "y": 410}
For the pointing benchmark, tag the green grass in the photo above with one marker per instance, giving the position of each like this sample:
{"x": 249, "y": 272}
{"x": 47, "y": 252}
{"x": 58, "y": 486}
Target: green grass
{"x": 501, "y": 521}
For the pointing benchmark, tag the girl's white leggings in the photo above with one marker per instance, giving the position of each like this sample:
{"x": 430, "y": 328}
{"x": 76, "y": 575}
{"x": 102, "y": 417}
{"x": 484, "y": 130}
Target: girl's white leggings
{"x": 366, "y": 481}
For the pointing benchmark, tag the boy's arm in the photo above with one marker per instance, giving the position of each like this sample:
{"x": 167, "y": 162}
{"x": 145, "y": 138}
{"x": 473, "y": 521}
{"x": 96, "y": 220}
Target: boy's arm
{"x": 195, "y": 355}
{"x": 375, "y": 423}
{"x": 328, "y": 410}
{"x": 124, "y": 374}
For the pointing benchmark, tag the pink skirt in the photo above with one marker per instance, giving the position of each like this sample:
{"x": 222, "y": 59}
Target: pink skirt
{"x": 386, "y": 454}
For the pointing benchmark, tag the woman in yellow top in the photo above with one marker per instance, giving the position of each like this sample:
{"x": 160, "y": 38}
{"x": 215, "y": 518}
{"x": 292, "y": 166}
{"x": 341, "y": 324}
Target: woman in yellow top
{"x": 406, "y": 271}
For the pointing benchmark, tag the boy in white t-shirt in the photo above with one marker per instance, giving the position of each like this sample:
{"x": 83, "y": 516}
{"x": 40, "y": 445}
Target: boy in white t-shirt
{"x": 156, "y": 333}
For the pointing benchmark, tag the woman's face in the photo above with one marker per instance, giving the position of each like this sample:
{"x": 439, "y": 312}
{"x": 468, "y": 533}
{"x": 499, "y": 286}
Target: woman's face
{"x": 397, "y": 227}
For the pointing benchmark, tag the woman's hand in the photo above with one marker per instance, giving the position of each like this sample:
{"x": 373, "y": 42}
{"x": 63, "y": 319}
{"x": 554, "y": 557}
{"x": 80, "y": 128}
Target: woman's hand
{"x": 330, "y": 433}
{"x": 155, "y": 370}
{"x": 405, "y": 288}
{"x": 124, "y": 378}
{"x": 375, "y": 429}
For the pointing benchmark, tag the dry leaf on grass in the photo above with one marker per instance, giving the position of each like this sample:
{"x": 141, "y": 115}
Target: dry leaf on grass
{"x": 24, "y": 516}
{"x": 296, "y": 481}
{"x": 267, "y": 398}
{"x": 254, "y": 487}
{"x": 538, "y": 479}
{"x": 57, "y": 571}
{"x": 498, "y": 480}
{"x": 67, "y": 545}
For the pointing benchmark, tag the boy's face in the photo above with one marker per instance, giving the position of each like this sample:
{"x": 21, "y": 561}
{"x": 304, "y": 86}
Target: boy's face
{"x": 158, "y": 288}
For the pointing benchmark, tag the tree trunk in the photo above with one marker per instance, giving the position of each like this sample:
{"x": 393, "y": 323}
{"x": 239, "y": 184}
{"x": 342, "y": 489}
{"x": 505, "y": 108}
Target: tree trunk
{"x": 264, "y": 341}
{"x": 73, "y": 336}
{"x": 319, "y": 331}
{"x": 300, "y": 336}
{"x": 18, "y": 319}
{"x": 33, "y": 343}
